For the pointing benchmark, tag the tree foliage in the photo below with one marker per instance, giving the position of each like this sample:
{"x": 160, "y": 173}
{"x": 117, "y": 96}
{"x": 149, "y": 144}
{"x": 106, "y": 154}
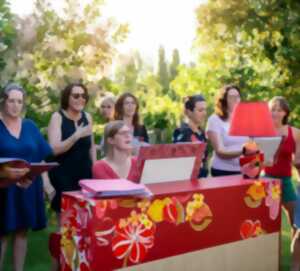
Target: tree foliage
{"x": 7, "y": 31}
{"x": 54, "y": 49}
{"x": 254, "y": 43}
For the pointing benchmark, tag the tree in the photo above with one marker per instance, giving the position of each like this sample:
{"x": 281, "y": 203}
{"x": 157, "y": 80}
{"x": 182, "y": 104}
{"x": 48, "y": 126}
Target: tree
{"x": 7, "y": 31}
{"x": 173, "y": 69}
{"x": 55, "y": 49}
{"x": 163, "y": 76}
{"x": 254, "y": 43}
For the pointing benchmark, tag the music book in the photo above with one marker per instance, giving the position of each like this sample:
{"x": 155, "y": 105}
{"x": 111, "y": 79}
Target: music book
{"x": 113, "y": 188}
{"x": 269, "y": 146}
{"x": 35, "y": 169}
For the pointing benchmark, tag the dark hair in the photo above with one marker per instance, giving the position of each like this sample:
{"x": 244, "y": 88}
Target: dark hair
{"x": 7, "y": 89}
{"x": 190, "y": 101}
{"x": 283, "y": 105}
{"x": 65, "y": 95}
{"x": 110, "y": 130}
{"x": 119, "y": 108}
{"x": 221, "y": 106}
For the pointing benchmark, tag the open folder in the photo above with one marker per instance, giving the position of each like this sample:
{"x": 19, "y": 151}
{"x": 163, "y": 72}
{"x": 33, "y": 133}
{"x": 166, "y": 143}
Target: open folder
{"x": 269, "y": 146}
{"x": 35, "y": 169}
{"x": 113, "y": 188}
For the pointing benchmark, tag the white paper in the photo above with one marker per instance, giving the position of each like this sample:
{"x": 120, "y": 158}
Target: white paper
{"x": 269, "y": 146}
{"x": 167, "y": 169}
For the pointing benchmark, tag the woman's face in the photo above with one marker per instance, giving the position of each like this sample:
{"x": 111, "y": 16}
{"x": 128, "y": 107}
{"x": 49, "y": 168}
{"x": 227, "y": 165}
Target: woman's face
{"x": 107, "y": 110}
{"x": 77, "y": 99}
{"x": 122, "y": 140}
{"x": 198, "y": 115}
{"x": 277, "y": 112}
{"x": 129, "y": 107}
{"x": 14, "y": 104}
{"x": 233, "y": 98}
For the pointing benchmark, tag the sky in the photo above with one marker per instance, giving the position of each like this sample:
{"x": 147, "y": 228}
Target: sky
{"x": 170, "y": 23}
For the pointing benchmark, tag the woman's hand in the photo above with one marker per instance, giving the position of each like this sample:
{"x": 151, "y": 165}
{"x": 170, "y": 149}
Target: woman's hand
{"x": 24, "y": 183}
{"x": 12, "y": 173}
{"x": 82, "y": 131}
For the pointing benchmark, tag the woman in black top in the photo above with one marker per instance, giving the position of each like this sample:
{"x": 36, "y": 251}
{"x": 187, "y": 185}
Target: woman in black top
{"x": 127, "y": 109}
{"x": 70, "y": 135}
{"x": 191, "y": 131}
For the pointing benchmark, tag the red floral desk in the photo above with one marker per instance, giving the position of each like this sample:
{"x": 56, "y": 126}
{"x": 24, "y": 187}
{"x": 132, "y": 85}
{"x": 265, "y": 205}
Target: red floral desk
{"x": 224, "y": 223}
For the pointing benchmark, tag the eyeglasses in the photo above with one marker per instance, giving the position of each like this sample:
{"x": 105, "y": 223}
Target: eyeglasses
{"x": 234, "y": 97}
{"x": 124, "y": 133}
{"x": 78, "y": 95}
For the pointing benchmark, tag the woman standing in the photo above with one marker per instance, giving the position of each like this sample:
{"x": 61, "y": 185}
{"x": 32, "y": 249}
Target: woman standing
{"x": 118, "y": 162}
{"x": 107, "y": 108}
{"x": 227, "y": 149}
{"x": 70, "y": 135}
{"x": 282, "y": 166}
{"x": 20, "y": 209}
{"x": 191, "y": 131}
{"x": 127, "y": 109}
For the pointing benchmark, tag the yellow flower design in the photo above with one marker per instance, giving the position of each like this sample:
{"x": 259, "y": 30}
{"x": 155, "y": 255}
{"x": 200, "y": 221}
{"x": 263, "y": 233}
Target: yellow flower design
{"x": 143, "y": 204}
{"x": 257, "y": 191}
{"x": 134, "y": 218}
{"x": 146, "y": 221}
{"x": 155, "y": 211}
{"x": 122, "y": 223}
{"x": 275, "y": 192}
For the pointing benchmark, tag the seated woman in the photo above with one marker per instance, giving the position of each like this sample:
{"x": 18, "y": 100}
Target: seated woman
{"x": 191, "y": 131}
{"x": 118, "y": 161}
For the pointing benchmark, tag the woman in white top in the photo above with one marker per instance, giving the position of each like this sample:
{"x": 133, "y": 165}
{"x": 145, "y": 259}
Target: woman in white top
{"x": 227, "y": 149}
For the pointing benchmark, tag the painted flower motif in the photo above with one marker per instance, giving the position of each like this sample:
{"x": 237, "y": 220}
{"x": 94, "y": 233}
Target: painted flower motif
{"x": 143, "y": 204}
{"x": 68, "y": 246}
{"x": 155, "y": 211}
{"x": 273, "y": 199}
{"x": 103, "y": 230}
{"x": 133, "y": 240}
{"x": 256, "y": 191}
{"x": 250, "y": 229}
{"x": 198, "y": 213}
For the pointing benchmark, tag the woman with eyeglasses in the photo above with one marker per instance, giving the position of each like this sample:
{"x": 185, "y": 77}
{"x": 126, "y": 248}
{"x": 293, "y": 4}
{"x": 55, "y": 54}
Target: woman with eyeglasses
{"x": 227, "y": 149}
{"x": 191, "y": 130}
{"x": 20, "y": 209}
{"x": 118, "y": 161}
{"x": 70, "y": 134}
{"x": 127, "y": 109}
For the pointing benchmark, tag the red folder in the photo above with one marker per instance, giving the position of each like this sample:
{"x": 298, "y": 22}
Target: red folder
{"x": 35, "y": 168}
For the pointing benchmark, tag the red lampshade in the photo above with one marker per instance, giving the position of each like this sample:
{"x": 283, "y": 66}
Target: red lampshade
{"x": 252, "y": 119}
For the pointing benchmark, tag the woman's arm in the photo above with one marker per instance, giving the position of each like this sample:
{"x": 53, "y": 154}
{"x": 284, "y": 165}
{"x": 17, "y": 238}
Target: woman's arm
{"x": 296, "y": 133}
{"x": 48, "y": 188}
{"x": 93, "y": 152}
{"x": 54, "y": 135}
{"x": 219, "y": 148}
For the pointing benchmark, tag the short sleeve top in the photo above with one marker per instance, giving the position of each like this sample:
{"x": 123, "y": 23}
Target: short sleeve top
{"x": 229, "y": 143}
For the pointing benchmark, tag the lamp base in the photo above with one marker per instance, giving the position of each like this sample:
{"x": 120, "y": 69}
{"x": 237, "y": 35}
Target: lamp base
{"x": 251, "y": 162}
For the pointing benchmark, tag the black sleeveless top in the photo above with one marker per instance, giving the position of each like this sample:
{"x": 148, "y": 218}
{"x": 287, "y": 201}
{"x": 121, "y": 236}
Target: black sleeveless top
{"x": 74, "y": 164}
